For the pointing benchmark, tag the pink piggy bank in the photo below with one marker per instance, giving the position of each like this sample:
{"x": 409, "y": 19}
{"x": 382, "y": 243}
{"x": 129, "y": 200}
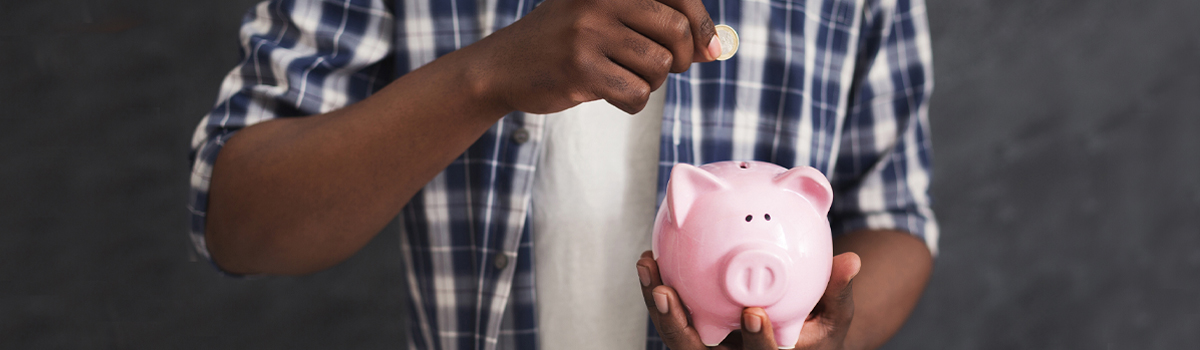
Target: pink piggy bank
{"x": 735, "y": 234}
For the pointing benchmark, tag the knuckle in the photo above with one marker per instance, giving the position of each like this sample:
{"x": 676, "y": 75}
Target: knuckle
{"x": 680, "y": 66}
{"x": 579, "y": 96}
{"x": 707, "y": 28}
{"x": 638, "y": 94}
{"x": 681, "y": 47}
{"x": 846, "y": 296}
{"x": 578, "y": 60}
{"x": 618, "y": 92}
{"x": 680, "y": 26}
{"x": 681, "y": 63}
{"x": 662, "y": 60}
{"x": 630, "y": 103}
{"x": 648, "y": 5}
{"x": 639, "y": 47}
{"x": 581, "y": 60}
{"x": 583, "y": 28}
{"x": 649, "y": 302}
{"x": 670, "y": 333}
{"x": 657, "y": 82}
{"x": 615, "y": 83}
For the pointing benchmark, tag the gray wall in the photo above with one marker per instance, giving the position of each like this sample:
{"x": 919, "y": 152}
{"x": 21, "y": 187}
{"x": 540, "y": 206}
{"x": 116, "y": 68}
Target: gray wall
{"x": 1067, "y": 176}
{"x": 1067, "y": 184}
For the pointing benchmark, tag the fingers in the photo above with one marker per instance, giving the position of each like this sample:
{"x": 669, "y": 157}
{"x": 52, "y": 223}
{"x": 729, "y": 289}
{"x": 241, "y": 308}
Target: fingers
{"x": 757, "y": 332}
{"x": 642, "y": 56}
{"x": 670, "y": 318}
{"x": 648, "y": 276}
{"x": 702, "y": 28}
{"x": 838, "y": 295}
{"x": 567, "y": 52}
{"x": 682, "y": 26}
{"x": 831, "y": 318}
{"x": 620, "y": 87}
{"x": 666, "y": 26}
{"x": 666, "y": 310}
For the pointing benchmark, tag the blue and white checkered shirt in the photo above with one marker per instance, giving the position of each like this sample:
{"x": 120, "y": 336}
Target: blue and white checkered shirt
{"x": 840, "y": 85}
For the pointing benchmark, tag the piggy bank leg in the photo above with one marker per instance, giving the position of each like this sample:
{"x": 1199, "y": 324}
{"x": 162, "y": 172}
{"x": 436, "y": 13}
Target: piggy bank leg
{"x": 711, "y": 333}
{"x": 787, "y": 335}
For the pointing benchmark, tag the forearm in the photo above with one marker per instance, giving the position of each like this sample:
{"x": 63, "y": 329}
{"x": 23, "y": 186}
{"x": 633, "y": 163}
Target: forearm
{"x": 895, "y": 270}
{"x": 297, "y": 195}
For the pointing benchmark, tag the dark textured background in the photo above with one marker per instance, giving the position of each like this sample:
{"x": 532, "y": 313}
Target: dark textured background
{"x": 1067, "y": 184}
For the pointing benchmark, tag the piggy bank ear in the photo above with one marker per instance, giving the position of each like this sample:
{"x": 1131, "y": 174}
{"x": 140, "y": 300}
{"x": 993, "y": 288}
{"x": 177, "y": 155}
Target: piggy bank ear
{"x": 810, "y": 183}
{"x": 687, "y": 183}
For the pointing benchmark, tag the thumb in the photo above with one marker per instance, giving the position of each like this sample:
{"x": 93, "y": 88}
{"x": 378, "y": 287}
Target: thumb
{"x": 834, "y": 312}
{"x": 839, "y": 296}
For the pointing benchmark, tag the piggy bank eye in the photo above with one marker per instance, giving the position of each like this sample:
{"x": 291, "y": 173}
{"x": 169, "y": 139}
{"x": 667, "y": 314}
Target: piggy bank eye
{"x": 749, "y": 217}
{"x": 767, "y": 216}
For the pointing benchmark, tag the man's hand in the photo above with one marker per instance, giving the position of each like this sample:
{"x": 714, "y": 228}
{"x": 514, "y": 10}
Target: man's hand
{"x": 825, "y": 328}
{"x": 566, "y": 52}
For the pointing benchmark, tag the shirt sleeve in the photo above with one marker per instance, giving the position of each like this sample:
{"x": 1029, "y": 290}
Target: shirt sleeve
{"x": 881, "y": 180}
{"x": 298, "y": 58}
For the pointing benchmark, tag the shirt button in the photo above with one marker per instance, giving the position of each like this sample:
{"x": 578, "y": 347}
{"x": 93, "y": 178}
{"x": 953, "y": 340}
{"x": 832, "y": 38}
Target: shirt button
{"x": 500, "y": 261}
{"x": 520, "y": 136}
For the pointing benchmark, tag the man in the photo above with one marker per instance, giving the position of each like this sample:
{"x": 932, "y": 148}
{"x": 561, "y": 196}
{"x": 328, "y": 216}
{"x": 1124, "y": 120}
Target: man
{"x": 418, "y": 108}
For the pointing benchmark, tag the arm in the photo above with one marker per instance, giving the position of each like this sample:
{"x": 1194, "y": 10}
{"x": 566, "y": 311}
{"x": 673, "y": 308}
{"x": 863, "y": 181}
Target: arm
{"x": 883, "y": 207}
{"x": 895, "y": 270}
{"x": 296, "y": 195}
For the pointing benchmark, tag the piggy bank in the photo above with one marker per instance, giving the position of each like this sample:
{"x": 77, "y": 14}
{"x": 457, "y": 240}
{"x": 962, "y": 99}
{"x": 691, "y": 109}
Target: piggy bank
{"x": 731, "y": 235}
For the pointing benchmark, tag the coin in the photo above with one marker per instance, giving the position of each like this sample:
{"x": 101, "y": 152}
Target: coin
{"x": 729, "y": 41}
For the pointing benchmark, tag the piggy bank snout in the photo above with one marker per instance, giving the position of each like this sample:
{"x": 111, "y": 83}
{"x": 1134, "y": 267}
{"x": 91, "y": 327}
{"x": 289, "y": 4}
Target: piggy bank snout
{"x": 756, "y": 275}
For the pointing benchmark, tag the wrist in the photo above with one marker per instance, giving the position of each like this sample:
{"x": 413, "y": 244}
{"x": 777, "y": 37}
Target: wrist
{"x": 479, "y": 79}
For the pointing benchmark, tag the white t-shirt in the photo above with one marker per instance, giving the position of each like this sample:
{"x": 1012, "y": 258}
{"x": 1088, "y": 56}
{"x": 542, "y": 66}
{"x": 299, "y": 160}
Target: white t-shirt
{"x": 593, "y": 212}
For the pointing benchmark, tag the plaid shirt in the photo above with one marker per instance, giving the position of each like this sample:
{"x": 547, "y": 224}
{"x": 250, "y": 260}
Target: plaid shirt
{"x": 840, "y": 85}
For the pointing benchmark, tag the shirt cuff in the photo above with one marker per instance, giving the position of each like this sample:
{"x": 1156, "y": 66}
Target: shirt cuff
{"x": 202, "y": 163}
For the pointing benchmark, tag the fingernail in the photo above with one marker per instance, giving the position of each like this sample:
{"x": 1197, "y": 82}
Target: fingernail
{"x": 660, "y": 302}
{"x": 714, "y": 48}
{"x": 753, "y": 323}
{"x": 644, "y": 275}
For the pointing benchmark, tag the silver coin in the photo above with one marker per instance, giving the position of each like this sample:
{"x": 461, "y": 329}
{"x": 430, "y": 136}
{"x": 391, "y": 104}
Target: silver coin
{"x": 729, "y": 41}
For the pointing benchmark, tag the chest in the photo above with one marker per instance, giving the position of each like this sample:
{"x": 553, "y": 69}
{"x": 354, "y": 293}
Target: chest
{"x": 782, "y": 98}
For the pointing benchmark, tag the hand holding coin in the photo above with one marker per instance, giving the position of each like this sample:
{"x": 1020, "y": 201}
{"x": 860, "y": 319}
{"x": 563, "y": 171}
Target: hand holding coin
{"x": 566, "y": 52}
{"x": 729, "y": 41}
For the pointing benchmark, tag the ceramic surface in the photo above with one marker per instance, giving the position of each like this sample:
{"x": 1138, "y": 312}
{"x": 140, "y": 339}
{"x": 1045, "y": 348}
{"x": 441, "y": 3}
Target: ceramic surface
{"x": 739, "y": 234}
